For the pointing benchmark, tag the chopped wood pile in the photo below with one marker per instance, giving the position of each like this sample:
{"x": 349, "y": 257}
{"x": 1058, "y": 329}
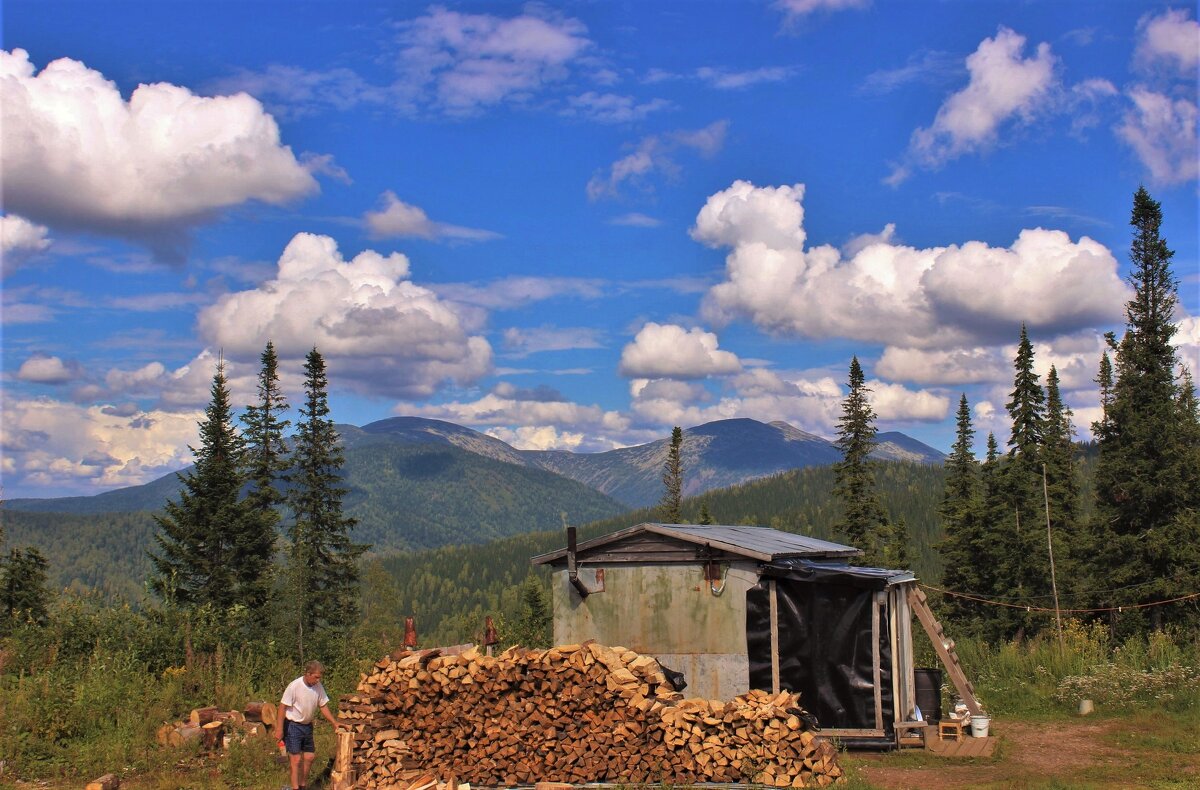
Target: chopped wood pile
{"x": 574, "y": 714}
{"x": 214, "y": 728}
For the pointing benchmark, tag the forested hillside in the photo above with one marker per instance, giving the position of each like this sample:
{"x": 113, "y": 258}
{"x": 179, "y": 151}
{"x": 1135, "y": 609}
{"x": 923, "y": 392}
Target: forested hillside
{"x": 105, "y": 552}
{"x": 424, "y": 496}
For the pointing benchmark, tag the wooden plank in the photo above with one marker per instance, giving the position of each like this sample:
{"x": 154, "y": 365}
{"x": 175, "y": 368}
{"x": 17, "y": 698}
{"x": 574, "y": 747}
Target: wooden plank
{"x": 829, "y": 732}
{"x": 774, "y": 598}
{"x": 944, "y": 650}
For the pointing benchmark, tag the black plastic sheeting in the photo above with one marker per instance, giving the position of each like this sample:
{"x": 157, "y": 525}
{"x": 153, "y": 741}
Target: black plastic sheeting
{"x": 824, "y": 639}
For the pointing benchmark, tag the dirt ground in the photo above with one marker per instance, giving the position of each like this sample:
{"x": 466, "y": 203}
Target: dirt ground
{"x": 1071, "y": 753}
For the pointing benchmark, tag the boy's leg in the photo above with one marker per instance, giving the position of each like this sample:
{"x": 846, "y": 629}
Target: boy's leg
{"x": 295, "y": 765}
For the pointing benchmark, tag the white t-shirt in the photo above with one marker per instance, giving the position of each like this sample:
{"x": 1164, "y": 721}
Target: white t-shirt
{"x": 302, "y": 701}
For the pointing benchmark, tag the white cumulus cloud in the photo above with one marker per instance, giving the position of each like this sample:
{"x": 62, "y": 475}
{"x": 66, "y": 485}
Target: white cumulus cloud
{"x": 20, "y": 239}
{"x": 1162, "y": 131}
{"x": 397, "y": 218}
{"x": 670, "y": 351}
{"x": 44, "y": 369}
{"x": 1171, "y": 36}
{"x": 1003, "y": 84}
{"x": 74, "y": 154}
{"x": 62, "y": 448}
{"x": 939, "y": 297}
{"x": 380, "y": 332}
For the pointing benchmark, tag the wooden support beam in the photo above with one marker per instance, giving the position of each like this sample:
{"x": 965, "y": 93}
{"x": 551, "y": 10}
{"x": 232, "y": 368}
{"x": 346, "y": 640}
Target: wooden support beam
{"x": 944, "y": 649}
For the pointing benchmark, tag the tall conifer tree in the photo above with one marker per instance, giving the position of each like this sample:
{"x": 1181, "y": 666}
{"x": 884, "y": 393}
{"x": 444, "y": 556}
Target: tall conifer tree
{"x": 324, "y": 561}
{"x": 864, "y": 522}
{"x": 671, "y": 505}
{"x": 963, "y": 548}
{"x": 198, "y": 536}
{"x": 266, "y": 466}
{"x": 1146, "y": 519}
{"x": 1024, "y": 559}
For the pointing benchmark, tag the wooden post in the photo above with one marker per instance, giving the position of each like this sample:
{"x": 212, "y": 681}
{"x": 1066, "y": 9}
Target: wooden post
{"x": 1062, "y": 645}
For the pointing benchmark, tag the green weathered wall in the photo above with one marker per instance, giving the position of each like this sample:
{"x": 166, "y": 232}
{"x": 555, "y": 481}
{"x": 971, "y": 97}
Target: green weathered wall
{"x": 656, "y": 609}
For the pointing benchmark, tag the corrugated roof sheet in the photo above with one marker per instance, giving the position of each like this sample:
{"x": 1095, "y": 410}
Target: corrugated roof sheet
{"x": 761, "y": 540}
{"x": 760, "y": 543}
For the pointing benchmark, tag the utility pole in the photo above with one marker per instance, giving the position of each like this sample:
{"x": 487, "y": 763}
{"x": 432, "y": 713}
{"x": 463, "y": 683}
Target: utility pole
{"x": 1050, "y": 544}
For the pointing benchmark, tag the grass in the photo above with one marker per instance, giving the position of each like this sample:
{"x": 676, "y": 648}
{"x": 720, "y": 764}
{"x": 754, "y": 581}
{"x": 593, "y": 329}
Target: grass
{"x": 83, "y": 696}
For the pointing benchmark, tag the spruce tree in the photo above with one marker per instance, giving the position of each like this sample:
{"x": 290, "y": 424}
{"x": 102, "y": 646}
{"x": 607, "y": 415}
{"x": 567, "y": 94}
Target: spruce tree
{"x": 670, "y": 506}
{"x": 198, "y": 535}
{"x": 962, "y": 522}
{"x": 1024, "y": 560}
{"x": 705, "y": 516}
{"x": 23, "y": 590}
{"x": 266, "y": 466}
{"x": 324, "y": 561}
{"x": 863, "y": 521}
{"x": 1146, "y": 500}
{"x": 532, "y": 628}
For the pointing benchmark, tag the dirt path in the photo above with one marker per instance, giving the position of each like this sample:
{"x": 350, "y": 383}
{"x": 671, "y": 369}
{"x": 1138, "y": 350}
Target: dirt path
{"x": 1065, "y": 753}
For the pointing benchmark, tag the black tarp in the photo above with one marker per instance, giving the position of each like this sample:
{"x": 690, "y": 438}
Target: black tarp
{"x": 824, "y": 640}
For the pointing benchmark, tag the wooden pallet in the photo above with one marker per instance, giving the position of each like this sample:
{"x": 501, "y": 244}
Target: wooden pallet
{"x": 967, "y": 747}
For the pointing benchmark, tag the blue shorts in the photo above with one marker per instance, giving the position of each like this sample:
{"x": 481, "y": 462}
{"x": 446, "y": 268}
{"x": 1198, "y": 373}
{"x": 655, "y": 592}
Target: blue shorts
{"x": 298, "y": 737}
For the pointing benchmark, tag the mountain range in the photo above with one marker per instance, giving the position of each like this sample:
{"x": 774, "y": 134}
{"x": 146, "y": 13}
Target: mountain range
{"x": 420, "y": 454}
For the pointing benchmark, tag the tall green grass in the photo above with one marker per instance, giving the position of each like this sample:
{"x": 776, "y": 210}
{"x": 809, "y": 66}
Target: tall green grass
{"x": 1041, "y": 676}
{"x": 83, "y": 695}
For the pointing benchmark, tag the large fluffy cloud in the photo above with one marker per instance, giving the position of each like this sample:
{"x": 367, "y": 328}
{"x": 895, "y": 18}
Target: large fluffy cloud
{"x": 75, "y": 154}
{"x": 670, "y": 351}
{"x": 382, "y": 333}
{"x": 1003, "y": 84}
{"x": 61, "y": 448}
{"x": 939, "y": 297}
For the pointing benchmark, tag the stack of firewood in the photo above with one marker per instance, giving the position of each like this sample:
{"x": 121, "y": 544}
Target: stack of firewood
{"x": 214, "y": 728}
{"x": 574, "y": 714}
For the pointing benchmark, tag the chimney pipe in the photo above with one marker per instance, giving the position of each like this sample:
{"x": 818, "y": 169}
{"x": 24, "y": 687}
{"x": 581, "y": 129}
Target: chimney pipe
{"x": 572, "y": 571}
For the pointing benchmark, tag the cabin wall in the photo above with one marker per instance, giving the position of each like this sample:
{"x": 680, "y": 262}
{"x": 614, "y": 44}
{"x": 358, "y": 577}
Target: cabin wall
{"x": 667, "y": 611}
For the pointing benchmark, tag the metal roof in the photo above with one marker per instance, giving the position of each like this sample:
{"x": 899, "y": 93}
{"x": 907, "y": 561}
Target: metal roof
{"x": 760, "y": 543}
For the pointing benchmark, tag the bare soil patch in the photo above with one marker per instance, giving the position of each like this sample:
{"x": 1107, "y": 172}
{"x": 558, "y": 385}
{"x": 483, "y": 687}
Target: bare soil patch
{"x": 1060, "y": 753}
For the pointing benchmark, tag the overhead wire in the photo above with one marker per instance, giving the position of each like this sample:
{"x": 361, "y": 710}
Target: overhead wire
{"x": 1030, "y": 608}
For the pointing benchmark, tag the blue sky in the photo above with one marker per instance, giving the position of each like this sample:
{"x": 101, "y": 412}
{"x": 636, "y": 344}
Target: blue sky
{"x": 571, "y": 225}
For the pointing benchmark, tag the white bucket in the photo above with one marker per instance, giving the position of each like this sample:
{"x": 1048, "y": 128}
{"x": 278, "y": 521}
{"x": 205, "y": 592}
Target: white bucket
{"x": 979, "y": 726}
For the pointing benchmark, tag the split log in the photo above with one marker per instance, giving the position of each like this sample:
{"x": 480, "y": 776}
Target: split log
{"x": 106, "y": 782}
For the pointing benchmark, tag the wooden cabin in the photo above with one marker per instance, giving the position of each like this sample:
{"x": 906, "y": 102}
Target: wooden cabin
{"x": 739, "y": 607}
